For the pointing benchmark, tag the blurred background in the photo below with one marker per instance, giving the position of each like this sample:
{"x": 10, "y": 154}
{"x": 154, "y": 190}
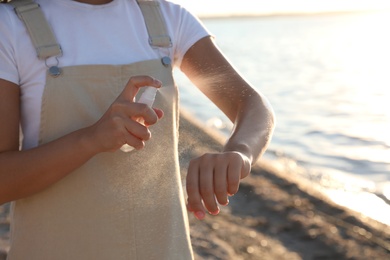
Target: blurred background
{"x": 325, "y": 67}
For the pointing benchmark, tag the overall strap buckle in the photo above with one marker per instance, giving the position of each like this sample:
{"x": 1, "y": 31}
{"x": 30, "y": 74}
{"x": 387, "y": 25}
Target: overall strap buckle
{"x": 39, "y": 30}
{"x": 155, "y": 24}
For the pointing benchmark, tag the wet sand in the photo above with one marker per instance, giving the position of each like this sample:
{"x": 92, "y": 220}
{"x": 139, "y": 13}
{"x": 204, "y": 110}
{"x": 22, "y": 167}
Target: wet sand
{"x": 273, "y": 216}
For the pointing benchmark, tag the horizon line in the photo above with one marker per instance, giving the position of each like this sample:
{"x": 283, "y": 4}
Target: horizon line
{"x": 286, "y": 14}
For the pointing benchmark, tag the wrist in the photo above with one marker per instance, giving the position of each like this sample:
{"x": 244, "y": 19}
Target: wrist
{"x": 242, "y": 149}
{"x": 88, "y": 142}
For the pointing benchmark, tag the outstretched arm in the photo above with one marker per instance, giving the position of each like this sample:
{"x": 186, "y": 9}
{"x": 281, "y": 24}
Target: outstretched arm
{"x": 213, "y": 177}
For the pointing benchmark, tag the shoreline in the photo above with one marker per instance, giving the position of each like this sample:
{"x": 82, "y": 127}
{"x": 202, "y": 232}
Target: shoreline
{"x": 273, "y": 216}
{"x": 349, "y": 191}
{"x": 341, "y": 187}
{"x": 289, "y": 14}
{"x": 276, "y": 215}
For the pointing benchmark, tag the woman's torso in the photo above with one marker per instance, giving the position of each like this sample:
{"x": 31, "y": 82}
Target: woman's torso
{"x": 113, "y": 33}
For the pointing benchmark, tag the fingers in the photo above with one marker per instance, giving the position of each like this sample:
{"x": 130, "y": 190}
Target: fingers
{"x": 142, "y": 113}
{"x": 149, "y": 116}
{"x": 130, "y": 117}
{"x": 194, "y": 198}
{"x": 137, "y": 120}
{"x": 233, "y": 179}
{"x": 135, "y": 83}
{"x": 206, "y": 185}
{"x": 136, "y": 134}
{"x": 220, "y": 184}
{"x": 159, "y": 112}
{"x": 126, "y": 122}
{"x": 212, "y": 178}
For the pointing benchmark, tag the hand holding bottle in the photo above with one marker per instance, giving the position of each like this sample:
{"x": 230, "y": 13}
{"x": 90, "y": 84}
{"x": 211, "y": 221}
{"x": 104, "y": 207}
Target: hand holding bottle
{"x": 146, "y": 98}
{"x": 120, "y": 124}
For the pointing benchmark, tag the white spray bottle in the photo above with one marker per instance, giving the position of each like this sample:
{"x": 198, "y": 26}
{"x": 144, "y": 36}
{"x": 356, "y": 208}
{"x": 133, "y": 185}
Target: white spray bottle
{"x": 147, "y": 97}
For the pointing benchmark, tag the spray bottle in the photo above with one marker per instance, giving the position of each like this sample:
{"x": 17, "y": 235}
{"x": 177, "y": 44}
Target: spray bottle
{"x": 147, "y": 98}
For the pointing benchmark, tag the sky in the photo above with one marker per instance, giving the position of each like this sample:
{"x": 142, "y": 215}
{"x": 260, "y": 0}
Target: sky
{"x": 233, "y": 7}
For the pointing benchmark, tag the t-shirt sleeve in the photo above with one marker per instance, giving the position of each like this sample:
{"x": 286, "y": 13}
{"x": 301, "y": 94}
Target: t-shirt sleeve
{"x": 188, "y": 29}
{"x": 8, "y": 67}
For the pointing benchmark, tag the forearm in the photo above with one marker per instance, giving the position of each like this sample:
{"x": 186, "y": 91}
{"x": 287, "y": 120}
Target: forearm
{"x": 250, "y": 112}
{"x": 253, "y": 127}
{"x": 23, "y": 173}
{"x": 213, "y": 177}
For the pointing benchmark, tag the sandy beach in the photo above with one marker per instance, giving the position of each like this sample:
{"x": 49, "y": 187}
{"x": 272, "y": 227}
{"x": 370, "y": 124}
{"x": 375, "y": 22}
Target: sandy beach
{"x": 273, "y": 216}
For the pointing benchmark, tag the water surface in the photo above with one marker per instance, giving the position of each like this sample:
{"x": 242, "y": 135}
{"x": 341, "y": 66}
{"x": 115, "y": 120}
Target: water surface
{"x": 328, "y": 79}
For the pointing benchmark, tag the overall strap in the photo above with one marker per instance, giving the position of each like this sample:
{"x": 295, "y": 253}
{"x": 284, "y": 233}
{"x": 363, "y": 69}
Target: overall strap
{"x": 39, "y": 30}
{"x": 155, "y": 23}
{"x": 46, "y": 44}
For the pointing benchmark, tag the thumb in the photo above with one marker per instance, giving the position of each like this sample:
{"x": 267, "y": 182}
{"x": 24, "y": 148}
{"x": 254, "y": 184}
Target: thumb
{"x": 246, "y": 167}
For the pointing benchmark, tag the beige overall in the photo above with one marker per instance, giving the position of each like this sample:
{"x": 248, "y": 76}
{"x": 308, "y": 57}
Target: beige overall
{"x": 117, "y": 205}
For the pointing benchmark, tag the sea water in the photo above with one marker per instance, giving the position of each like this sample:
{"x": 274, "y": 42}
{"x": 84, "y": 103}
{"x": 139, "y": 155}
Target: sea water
{"x": 328, "y": 80}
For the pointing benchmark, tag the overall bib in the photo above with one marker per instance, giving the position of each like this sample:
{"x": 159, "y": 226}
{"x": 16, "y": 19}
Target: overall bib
{"x": 117, "y": 205}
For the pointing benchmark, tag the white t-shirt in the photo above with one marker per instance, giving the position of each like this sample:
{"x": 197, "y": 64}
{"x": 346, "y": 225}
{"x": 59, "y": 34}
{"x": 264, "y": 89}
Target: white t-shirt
{"x": 112, "y": 33}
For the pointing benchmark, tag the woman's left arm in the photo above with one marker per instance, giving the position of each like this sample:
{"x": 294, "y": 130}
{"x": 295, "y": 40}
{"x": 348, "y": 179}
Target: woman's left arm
{"x": 213, "y": 177}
